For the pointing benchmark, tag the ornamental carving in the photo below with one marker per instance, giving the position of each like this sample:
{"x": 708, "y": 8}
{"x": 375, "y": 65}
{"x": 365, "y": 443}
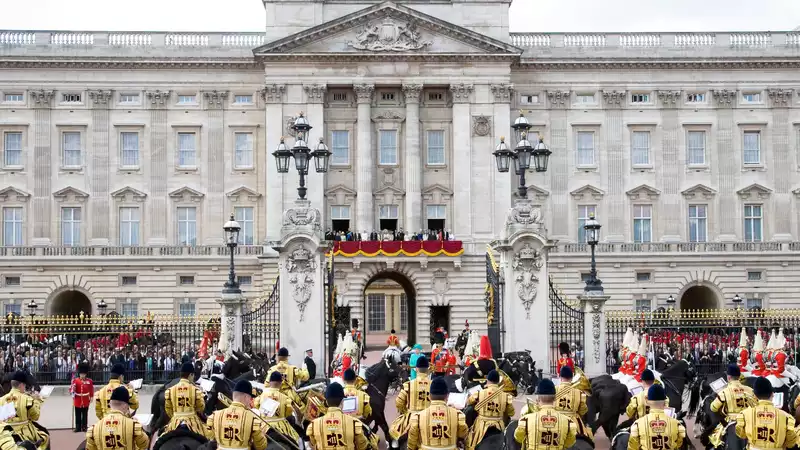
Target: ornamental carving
{"x": 502, "y": 92}
{"x": 364, "y": 92}
{"x": 315, "y": 93}
{"x": 412, "y": 92}
{"x": 159, "y": 98}
{"x": 215, "y": 99}
{"x": 596, "y": 329}
{"x": 288, "y": 122}
{"x": 614, "y": 99}
{"x": 230, "y": 326}
{"x": 388, "y": 114}
{"x": 725, "y": 98}
{"x": 41, "y": 98}
{"x": 389, "y": 37}
{"x": 481, "y": 125}
{"x": 526, "y": 214}
{"x": 273, "y": 93}
{"x": 302, "y": 217}
{"x": 440, "y": 284}
{"x": 526, "y": 264}
{"x": 300, "y": 265}
{"x": 669, "y": 99}
{"x": 461, "y": 92}
{"x": 781, "y": 98}
{"x": 558, "y": 99}
{"x": 100, "y": 97}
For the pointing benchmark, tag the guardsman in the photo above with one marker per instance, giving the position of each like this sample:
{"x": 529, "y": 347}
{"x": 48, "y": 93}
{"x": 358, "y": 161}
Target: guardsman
{"x": 82, "y": 391}
{"x": 730, "y": 401}
{"x": 656, "y": 430}
{"x": 566, "y": 359}
{"x": 117, "y": 430}
{"x": 640, "y": 363}
{"x": 336, "y": 430}
{"x": 444, "y": 363}
{"x": 28, "y": 408}
{"x": 637, "y": 407}
{"x": 572, "y": 402}
{"x": 744, "y": 352}
{"x": 760, "y": 369}
{"x": 494, "y": 408}
{"x": 184, "y": 403}
{"x": 363, "y": 409}
{"x": 237, "y": 427}
{"x": 284, "y": 410}
{"x": 478, "y": 370}
{"x": 779, "y": 356}
{"x": 102, "y": 398}
{"x": 763, "y": 425}
{"x": 356, "y": 335}
{"x": 437, "y": 426}
{"x": 630, "y": 362}
{"x": 546, "y": 429}
{"x": 414, "y": 396}
{"x": 393, "y": 340}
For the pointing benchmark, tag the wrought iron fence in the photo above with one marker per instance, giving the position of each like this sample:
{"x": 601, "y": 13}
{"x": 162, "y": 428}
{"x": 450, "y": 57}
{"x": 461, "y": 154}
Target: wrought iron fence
{"x": 261, "y": 326}
{"x": 494, "y": 303}
{"x": 566, "y": 325}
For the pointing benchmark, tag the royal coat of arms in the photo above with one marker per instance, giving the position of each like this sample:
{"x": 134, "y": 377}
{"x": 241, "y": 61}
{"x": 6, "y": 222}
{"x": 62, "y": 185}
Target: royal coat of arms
{"x": 389, "y": 37}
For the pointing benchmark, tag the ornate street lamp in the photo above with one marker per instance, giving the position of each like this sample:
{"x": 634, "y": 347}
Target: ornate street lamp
{"x": 737, "y": 300}
{"x": 523, "y": 154}
{"x": 302, "y": 154}
{"x": 232, "y": 229}
{"x": 670, "y": 300}
{"x": 101, "y": 307}
{"x": 32, "y": 306}
{"x": 592, "y": 228}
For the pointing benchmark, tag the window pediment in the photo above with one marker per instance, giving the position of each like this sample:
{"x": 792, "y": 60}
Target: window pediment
{"x": 643, "y": 192}
{"x": 243, "y": 193}
{"x": 340, "y": 195}
{"x": 587, "y": 192}
{"x": 699, "y": 191}
{"x": 186, "y": 194}
{"x": 70, "y": 193}
{"x": 537, "y": 192}
{"x": 13, "y": 194}
{"x": 437, "y": 193}
{"x": 387, "y": 194}
{"x": 754, "y": 192}
{"x": 128, "y": 194}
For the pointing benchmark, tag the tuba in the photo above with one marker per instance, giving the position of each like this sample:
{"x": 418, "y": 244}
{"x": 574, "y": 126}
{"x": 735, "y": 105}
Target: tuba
{"x": 582, "y": 383}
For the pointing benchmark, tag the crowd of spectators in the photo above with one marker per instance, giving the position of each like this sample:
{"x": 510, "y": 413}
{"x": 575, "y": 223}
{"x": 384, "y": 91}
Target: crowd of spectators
{"x": 390, "y": 235}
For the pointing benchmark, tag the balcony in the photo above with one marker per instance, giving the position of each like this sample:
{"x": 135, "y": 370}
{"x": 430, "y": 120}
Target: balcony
{"x": 200, "y": 251}
{"x": 683, "y": 247}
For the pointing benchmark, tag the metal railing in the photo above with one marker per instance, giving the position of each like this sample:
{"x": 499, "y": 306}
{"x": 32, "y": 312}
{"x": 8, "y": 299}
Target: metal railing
{"x": 682, "y": 247}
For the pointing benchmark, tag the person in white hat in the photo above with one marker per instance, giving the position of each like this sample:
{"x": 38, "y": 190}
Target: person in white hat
{"x": 641, "y": 359}
{"x": 744, "y": 353}
{"x": 630, "y": 363}
{"x": 623, "y": 352}
{"x": 779, "y": 356}
{"x": 760, "y": 368}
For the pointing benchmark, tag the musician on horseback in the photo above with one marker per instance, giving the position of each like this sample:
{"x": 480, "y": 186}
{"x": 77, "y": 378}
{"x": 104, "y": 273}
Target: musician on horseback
{"x": 546, "y": 428}
{"x": 413, "y": 398}
{"x": 237, "y": 426}
{"x": 102, "y": 398}
{"x": 336, "y": 430}
{"x": 656, "y": 430}
{"x": 28, "y": 408}
{"x": 116, "y": 429}
{"x": 184, "y": 403}
{"x": 363, "y": 409}
{"x": 292, "y": 375}
{"x": 478, "y": 370}
{"x": 730, "y": 402}
{"x": 763, "y": 425}
{"x": 571, "y": 402}
{"x": 7, "y": 441}
{"x": 637, "y": 407}
{"x": 493, "y": 407}
{"x": 284, "y": 412}
{"x": 437, "y": 426}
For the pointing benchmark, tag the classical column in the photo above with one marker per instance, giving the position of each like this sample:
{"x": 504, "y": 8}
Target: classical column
{"x": 728, "y": 171}
{"x": 616, "y": 166}
{"x": 99, "y": 170}
{"x": 559, "y": 172}
{"x": 214, "y": 175}
{"x": 156, "y": 165}
{"x": 673, "y": 169}
{"x": 462, "y": 164}
{"x": 273, "y": 97}
{"x": 315, "y": 111}
{"x": 365, "y": 214}
{"x": 413, "y": 159}
{"x": 42, "y": 169}
{"x": 594, "y": 328}
{"x": 781, "y": 100}
{"x": 501, "y": 200}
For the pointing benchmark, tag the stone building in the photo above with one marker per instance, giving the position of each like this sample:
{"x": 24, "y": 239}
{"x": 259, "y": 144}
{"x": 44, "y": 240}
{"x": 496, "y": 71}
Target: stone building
{"x": 124, "y": 153}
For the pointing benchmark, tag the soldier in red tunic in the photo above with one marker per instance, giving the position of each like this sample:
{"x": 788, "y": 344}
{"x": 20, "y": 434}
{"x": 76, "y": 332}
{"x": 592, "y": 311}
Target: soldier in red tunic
{"x": 744, "y": 353}
{"x": 82, "y": 391}
{"x": 393, "y": 340}
{"x": 565, "y": 359}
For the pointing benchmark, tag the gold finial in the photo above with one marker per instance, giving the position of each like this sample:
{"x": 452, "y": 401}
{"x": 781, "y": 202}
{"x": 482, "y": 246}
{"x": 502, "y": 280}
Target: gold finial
{"x": 282, "y": 139}
{"x": 301, "y": 113}
{"x": 502, "y": 138}
{"x": 521, "y": 113}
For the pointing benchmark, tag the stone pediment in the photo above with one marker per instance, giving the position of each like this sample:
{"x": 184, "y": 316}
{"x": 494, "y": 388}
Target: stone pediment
{"x": 437, "y": 193}
{"x": 70, "y": 193}
{"x": 537, "y": 193}
{"x": 388, "y": 195}
{"x": 128, "y": 194}
{"x": 699, "y": 191}
{"x": 393, "y": 189}
{"x": 243, "y": 193}
{"x": 186, "y": 194}
{"x": 643, "y": 192}
{"x": 340, "y": 195}
{"x": 12, "y": 194}
{"x": 587, "y": 192}
{"x": 754, "y": 192}
{"x": 387, "y": 28}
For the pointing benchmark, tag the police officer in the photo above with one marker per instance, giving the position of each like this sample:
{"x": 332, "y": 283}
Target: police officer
{"x": 414, "y": 396}
{"x": 311, "y": 366}
{"x": 437, "y": 426}
{"x": 116, "y": 430}
{"x": 572, "y": 402}
{"x": 284, "y": 411}
{"x": 102, "y": 398}
{"x": 637, "y": 407}
{"x": 363, "y": 409}
{"x": 731, "y": 400}
{"x": 656, "y": 430}
{"x": 546, "y": 429}
{"x": 28, "y": 408}
{"x": 237, "y": 426}
{"x": 764, "y": 425}
{"x": 494, "y": 408}
{"x": 184, "y": 403}
{"x": 336, "y": 430}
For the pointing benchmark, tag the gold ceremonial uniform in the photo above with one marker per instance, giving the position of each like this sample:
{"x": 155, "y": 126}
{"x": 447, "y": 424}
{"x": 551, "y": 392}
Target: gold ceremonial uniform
{"x": 236, "y": 427}
{"x": 116, "y": 431}
{"x": 656, "y": 431}
{"x": 292, "y": 375}
{"x": 183, "y": 402}
{"x": 546, "y": 429}
{"x": 283, "y": 411}
{"x": 572, "y": 403}
{"x": 637, "y": 407}
{"x": 362, "y": 400}
{"x": 766, "y": 427}
{"x": 437, "y": 427}
{"x": 6, "y": 438}
{"x": 730, "y": 401}
{"x": 28, "y": 410}
{"x": 413, "y": 398}
{"x": 337, "y": 431}
{"x": 493, "y": 407}
{"x": 102, "y": 398}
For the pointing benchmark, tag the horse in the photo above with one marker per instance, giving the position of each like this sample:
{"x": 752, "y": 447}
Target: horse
{"x": 181, "y": 438}
{"x": 273, "y": 443}
{"x": 380, "y": 376}
{"x": 509, "y": 443}
{"x": 521, "y": 368}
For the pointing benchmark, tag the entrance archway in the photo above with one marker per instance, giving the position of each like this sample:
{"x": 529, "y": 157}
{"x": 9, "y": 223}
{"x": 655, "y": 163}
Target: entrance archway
{"x": 389, "y": 302}
{"x": 69, "y": 302}
{"x": 699, "y": 297}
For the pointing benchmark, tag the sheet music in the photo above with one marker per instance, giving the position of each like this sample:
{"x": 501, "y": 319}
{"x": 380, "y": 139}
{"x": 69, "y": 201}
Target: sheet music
{"x": 7, "y": 411}
{"x": 777, "y": 399}
{"x": 718, "y": 385}
{"x": 473, "y": 390}
{"x": 670, "y": 412}
{"x": 258, "y": 385}
{"x": 205, "y": 384}
{"x": 350, "y": 405}
{"x": 269, "y": 407}
{"x": 635, "y": 390}
{"x": 556, "y": 381}
{"x": 144, "y": 419}
{"x": 137, "y": 384}
{"x": 457, "y": 400}
{"x": 46, "y": 391}
{"x": 338, "y": 380}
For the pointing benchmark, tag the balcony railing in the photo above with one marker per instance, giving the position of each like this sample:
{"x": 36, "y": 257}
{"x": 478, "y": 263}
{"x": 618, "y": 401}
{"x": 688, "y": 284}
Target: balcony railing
{"x": 762, "y": 39}
{"x": 683, "y": 247}
{"x": 135, "y": 39}
{"x": 183, "y": 251}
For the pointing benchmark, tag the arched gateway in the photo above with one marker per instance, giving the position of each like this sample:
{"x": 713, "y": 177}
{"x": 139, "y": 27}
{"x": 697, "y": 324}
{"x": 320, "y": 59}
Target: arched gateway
{"x": 69, "y": 301}
{"x": 699, "y": 296}
{"x": 386, "y": 311}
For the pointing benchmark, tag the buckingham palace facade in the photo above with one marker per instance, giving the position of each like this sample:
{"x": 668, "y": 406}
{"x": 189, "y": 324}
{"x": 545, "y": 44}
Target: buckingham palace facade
{"x": 123, "y": 153}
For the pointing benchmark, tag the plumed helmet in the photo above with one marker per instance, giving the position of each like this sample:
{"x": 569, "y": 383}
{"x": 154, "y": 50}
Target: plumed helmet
{"x": 634, "y": 344}
{"x": 780, "y": 342}
{"x": 626, "y": 341}
{"x": 758, "y": 342}
{"x": 743, "y": 339}
{"x": 643, "y": 345}
{"x": 771, "y": 342}
{"x": 339, "y": 346}
{"x": 563, "y": 348}
{"x": 486, "y": 348}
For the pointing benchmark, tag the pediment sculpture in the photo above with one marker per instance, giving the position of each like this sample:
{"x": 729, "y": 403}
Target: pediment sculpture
{"x": 389, "y": 37}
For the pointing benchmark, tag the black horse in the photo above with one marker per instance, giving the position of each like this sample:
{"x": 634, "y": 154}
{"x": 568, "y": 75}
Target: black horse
{"x": 509, "y": 443}
{"x": 380, "y": 376}
{"x": 606, "y": 404}
{"x": 181, "y": 438}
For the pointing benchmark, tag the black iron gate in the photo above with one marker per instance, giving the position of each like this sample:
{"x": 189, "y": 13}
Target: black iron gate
{"x": 337, "y": 318}
{"x": 494, "y": 303}
{"x": 566, "y": 325}
{"x": 261, "y": 326}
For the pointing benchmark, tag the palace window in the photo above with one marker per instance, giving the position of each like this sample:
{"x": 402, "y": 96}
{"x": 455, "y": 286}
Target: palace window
{"x": 528, "y": 99}
{"x": 585, "y": 99}
{"x": 129, "y": 99}
{"x": 644, "y": 277}
{"x": 640, "y": 148}
{"x": 187, "y": 99}
{"x": 698, "y": 223}
{"x": 387, "y": 154}
{"x": 71, "y": 149}
{"x": 187, "y": 150}
{"x": 584, "y": 212}
{"x": 340, "y": 218}
{"x": 642, "y": 305}
{"x": 642, "y": 223}
{"x": 751, "y": 147}
{"x": 129, "y": 226}
{"x": 753, "y": 223}
{"x": 129, "y": 310}
{"x": 696, "y": 148}
{"x": 751, "y": 97}
{"x": 71, "y": 98}
{"x": 754, "y": 276}
{"x": 340, "y": 147}
{"x": 129, "y": 143}
{"x": 243, "y": 99}
{"x": 245, "y": 280}
{"x": 186, "y": 280}
{"x": 640, "y": 98}
{"x": 12, "y": 226}
{"x": 389, "y": 215}
{"x": 128, "y": 280}
{"x": 376, "y": 320}
{"x": 12, "y": 149}
{"x": 403, "y": 312}
{"x": 244, "y": 150}
{"x": 754, "y": 303}
{"x": 187, "y": 226}
{"x": 14, "y": 98}
{"x": 695, "y": 97}
{"x": 436, "y": 147}
{"x": 187, "y": 308}
{"x": 246, "y": 218}
{"x": 12, "y": 308}
{"x": 70, "y": 226}
{"x": 436, "y": 215}
{"x": 12, "y": 280}
{"x": 585, "y": 148}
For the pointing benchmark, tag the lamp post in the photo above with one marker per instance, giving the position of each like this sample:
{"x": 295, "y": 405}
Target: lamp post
{"x": 302, "y": 154}
{"x": 32, "y": 306}
{"x": 232, "y": 228}
{"x": 101, "y": 307}
{"x": 671, "y": 300}
{"x": 592, "y": 228}
{"x": 522, "y": 154}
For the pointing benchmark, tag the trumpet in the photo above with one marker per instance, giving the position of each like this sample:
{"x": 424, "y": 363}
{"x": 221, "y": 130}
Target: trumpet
{"x": 225, "y": 400}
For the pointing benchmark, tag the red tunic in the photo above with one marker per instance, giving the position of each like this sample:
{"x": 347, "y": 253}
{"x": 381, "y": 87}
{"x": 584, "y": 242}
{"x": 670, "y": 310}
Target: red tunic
{"x": 393, "y": 341}
{"x": 761, "y": 367}
{"x": 780, "y": 363}
{"x": 641, "y": 364}
{"x": 744, "y": 358}
{"x": 347, "y": 361}
{"x": 444, "y": 362}
{"x": 566, "y": 361}
{"x": 630, "y": 364}
{"x": 82, "y": 392}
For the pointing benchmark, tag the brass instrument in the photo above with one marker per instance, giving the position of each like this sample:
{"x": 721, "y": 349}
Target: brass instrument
{"x": 225, "y": 400}
{"x": 583, "y": 383}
